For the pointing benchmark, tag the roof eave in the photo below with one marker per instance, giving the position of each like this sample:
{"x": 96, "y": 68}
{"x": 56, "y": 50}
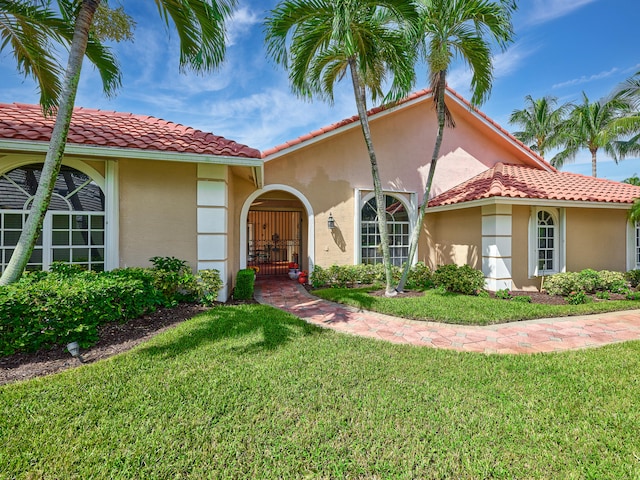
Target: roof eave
{"x": 94, "y": 151}
{"x": 542, "y": 202}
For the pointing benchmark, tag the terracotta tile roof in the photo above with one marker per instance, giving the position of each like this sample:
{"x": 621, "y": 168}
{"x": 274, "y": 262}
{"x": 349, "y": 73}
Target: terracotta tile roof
{"x": 414, "y": 96}
{"x": 115, "y": 129}
{"x": 519, "y": 181}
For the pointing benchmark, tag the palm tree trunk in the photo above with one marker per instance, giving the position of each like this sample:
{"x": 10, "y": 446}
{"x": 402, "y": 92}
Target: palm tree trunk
{"x": 360, "y": 95}
{"x": 594, "y": 170}
{"x": 53, "y": 159}
{"x": 422, "y": 210}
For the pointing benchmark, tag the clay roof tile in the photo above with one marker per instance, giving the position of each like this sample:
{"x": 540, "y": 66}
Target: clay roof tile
{"x": 117, "y": 129}
{"x": 519, "y": 181}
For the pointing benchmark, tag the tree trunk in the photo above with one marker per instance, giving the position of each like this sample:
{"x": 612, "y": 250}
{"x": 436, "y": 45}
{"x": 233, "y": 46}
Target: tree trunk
{"x": 360, "y": 95}
{"x": 417, "y": 228}
{"x": 594, "y": 170}
{"x": 55, "y": 152}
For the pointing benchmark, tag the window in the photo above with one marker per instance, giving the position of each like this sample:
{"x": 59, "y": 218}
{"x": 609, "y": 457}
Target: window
{"x": 398, "y": 228}
{"x": 547, "y": 257}
{"x": 546, "y": 250}
{"x": 637, "y": 244}
{"x": 74, "y": 227}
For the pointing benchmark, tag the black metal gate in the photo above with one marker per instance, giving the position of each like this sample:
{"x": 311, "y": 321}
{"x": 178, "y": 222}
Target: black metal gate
{"x": 274, "y": 240}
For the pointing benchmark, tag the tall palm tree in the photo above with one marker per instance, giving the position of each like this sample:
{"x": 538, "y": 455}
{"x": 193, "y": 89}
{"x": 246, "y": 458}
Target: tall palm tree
{"x": 200, "y": 28}
{"x": 30, "y": 31}
{"x": 462, "y": 29}
{"x": 321, "y": 41}
{"x": 629, "y": 91}
{"x": 541, "y": 122}
{"x": 602, "y": 125}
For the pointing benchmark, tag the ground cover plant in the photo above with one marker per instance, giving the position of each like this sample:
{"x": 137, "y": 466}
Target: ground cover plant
{"x": 252, "y": 392}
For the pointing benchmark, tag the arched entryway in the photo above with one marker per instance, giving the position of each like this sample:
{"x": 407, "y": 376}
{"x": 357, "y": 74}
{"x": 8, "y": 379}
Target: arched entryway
{"x": 277, "y": 231}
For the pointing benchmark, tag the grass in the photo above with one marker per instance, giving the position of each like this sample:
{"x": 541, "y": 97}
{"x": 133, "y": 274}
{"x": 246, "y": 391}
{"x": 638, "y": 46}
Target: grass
{"x": 252, "y": 392}
{"x": 464, "y": 309}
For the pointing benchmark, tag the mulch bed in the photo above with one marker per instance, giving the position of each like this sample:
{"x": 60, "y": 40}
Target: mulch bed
{"x": 114, "y": 338}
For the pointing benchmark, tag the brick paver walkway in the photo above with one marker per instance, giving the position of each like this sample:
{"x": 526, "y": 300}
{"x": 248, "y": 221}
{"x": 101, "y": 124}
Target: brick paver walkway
{"x": 530, "y": 336}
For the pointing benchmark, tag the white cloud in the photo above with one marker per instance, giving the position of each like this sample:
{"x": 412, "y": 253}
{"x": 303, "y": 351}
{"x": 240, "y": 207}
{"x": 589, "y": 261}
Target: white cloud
{"x": 548, "y": 10}
{"x": 273, "y": 116}
{"x": 504, "y": 63}
{"x": 242, "y": 20}
{"x": 507, "y": 62}
{"x": 587, "y": 79}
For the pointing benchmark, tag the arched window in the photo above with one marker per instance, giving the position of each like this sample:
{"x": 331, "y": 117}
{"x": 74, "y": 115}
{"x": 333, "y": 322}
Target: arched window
{"x": 546, "y": 243}
{"x": 74, "y": 227}
{"x": 398, "y": 228}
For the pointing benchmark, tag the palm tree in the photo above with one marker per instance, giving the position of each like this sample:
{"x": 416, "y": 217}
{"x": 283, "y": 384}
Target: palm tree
{"x": 605, "y": 124}
{"x": 200, "y": 28}
{"x": 541, "y": 122}
{"x": 321, "y": 41}
{"x": 464, "y": 29}
{"x": 30, "y": 31}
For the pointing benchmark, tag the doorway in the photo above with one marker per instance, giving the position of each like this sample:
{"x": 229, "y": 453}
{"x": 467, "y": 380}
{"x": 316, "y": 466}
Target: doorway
{"x": 274, "y": 240}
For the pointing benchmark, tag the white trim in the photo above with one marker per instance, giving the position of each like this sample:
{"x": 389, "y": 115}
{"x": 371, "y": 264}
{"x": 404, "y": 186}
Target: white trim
{"x": 311, "y": 228}
{"x": 541, "y": 202}
{"x": 560, "y": 245}
{"x": 362, "y": 197}
{"x": 497, "y": 256}
{"x": 632, "y": 263}
{"x": 112, "y": 215}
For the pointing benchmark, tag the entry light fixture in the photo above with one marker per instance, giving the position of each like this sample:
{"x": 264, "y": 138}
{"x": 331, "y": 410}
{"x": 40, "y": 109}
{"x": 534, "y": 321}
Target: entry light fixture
{"x": 331, "y": 223}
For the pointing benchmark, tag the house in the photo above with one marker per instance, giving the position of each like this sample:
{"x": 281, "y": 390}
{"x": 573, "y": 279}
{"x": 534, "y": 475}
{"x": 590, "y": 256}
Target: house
{"x": 148, "y": 187}
{"x": 131, "y": 187}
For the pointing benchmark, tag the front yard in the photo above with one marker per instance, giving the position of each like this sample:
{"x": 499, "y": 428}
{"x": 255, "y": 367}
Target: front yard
{"x": 439, "y": 306}
{"x": 251, "y": 392}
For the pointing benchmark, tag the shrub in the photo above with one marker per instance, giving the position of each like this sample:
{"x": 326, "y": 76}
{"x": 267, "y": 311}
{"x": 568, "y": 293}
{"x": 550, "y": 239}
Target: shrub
{"x": 420, "y": 277}
{"x": 503, "y": 294}
{"x": 464, "y": 279}
{"x": 587, "y": 280}
{"x": 174, "y": 279}
{"x": 244, "y": 284}
{"x": 604, "y": 295}
{"x": 341, "y": 276}
{"x": 632, "y": 296}
{"x": 633, "y": 277}
{"x": 577, "y": 298}
{"x": 521, "y": 298}
{"x": 209, "y": 285}
{"x": 61, "y": 308}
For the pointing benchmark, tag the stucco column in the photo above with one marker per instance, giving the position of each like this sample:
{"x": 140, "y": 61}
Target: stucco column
{"x": 496, "y": 247}
{"x": 213, "y": 206}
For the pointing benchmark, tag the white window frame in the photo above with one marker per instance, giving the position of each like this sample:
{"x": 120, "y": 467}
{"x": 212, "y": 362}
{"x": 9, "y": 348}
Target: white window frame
{"x": 364, "y": 196}
{"x": 633, "y": 245}
{"x": 109, "y": 186}
{"x": 559, "y": 244}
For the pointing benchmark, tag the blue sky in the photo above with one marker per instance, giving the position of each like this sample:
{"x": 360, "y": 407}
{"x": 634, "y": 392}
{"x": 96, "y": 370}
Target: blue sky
{"x": 562, "y": 48}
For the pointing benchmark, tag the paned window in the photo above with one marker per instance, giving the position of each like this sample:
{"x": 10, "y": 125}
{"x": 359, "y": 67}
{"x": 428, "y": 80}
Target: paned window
{"x": 74, "y": 227}
{"x": 547, "y": 243}
{"x": 398, "y": 232}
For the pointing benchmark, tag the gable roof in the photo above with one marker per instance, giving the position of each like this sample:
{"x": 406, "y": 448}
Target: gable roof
{"x": 519, "y": 181}
{"x": 120, "y": 130}
{"x": 415, "y": 97}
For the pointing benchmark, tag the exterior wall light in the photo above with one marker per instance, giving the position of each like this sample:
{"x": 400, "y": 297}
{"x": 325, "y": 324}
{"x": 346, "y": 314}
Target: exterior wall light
{"x": 331, "y": 223}
{"x": 74, "y": 350}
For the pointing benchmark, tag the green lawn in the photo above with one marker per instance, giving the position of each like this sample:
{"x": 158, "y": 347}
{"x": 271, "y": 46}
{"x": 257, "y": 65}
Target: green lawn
{"x": 465, "y": 309}
{"x": 252, "y": 392}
